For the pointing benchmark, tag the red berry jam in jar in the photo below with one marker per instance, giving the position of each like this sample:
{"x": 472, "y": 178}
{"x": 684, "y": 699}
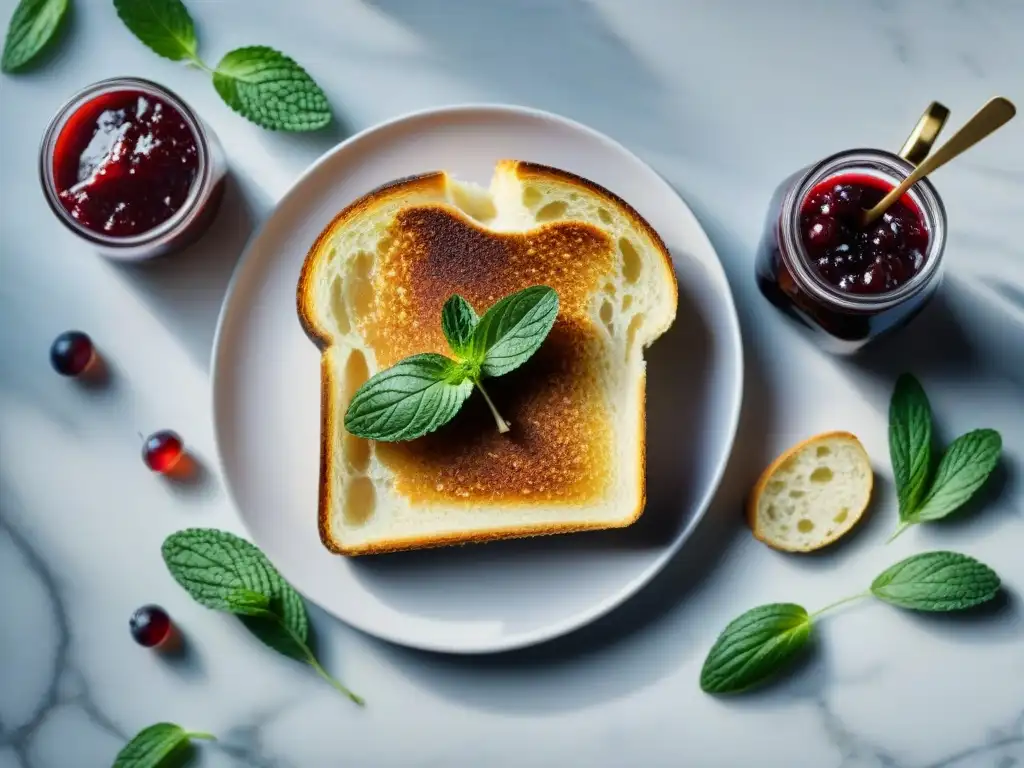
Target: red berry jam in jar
{"x": 844, "y": 281}
{"x": 128, "y": 166}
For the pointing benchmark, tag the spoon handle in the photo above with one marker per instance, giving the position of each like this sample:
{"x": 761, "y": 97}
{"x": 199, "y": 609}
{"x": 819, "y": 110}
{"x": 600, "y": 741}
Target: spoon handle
{"x": 996, "y": 113}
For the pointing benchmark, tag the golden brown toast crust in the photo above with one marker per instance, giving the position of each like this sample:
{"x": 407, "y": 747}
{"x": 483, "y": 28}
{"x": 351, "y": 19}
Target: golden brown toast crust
{"x": 439, "y": 251}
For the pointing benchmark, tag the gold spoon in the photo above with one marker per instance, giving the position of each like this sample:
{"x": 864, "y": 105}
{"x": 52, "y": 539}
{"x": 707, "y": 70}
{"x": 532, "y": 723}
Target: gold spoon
{"x": 986, "y": 120}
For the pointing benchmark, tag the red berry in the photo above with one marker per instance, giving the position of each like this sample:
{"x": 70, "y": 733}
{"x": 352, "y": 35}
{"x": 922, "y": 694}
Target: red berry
{"x": 162, "y": 451}
{"x": 150, "y": 625}
{"x": 71, "y": 353}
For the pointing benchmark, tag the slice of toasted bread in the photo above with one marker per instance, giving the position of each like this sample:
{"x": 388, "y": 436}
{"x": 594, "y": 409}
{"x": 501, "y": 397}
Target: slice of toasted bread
{"x": 370, "y": 294}
{"x": 812, "y": 494}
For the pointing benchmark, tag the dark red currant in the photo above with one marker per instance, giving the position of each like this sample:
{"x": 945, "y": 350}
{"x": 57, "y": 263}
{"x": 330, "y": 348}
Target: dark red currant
{"x": 162, "y": 451}
{"x": 150, "y": 625}
{"x": 71, "y": 353}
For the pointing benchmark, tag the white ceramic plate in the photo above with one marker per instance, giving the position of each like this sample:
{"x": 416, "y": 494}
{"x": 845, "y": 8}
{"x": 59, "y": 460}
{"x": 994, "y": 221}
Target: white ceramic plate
{"x": 504, "y": 595}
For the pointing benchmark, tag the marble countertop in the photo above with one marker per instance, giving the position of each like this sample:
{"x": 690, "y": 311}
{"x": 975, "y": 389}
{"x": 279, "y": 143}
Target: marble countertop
{"x": 723, "y": 99}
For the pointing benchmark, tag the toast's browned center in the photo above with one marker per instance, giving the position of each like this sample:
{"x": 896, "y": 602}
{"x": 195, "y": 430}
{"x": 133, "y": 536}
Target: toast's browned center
{"x": 559, "y": 447}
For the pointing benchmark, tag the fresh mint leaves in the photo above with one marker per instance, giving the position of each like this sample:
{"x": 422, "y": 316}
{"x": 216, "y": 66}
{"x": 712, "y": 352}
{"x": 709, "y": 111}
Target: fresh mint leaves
{"x": 263, "y": 85}
{"x": 33, "y": 25}
{"x": 513, "y": 329}
{"x": 754, "y": 647}
{"x": 163, "y": 25}
{"x": 162, "y": 744}
{"x": 408, "y": 400}
{"x": 422, "y": 393}
{"x": 937, "y": 581}
{"x": 760, "y": 643}
{"x": 910, "y": 441}
{"x": 271, "y": 90}
{"x": 458, "y": 321}
{"x": 227, "y": 573}
{"x": 964, "y": 467}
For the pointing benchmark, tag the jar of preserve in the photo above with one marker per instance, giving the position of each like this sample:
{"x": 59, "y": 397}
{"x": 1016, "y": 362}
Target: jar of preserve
{"x": 844, "y": 282}
{"x": 126, "y": 165}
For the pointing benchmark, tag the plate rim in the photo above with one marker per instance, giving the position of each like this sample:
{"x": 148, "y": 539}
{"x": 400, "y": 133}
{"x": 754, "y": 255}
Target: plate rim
{"x": 630, "y": 588}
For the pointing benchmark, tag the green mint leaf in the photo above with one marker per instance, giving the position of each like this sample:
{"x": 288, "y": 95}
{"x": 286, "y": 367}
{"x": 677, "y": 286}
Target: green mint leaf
{"x": 754, "y": 647}
{"x": 413, "y": 397}
{"x": 458, "y": 320}
{"x": 513, "y": 329}
{"x": 215, "y": 567}
{"x": 158, "y": 745}
{"x": 271, "y": 90}
{"x": 910, "y": 442}
{"x": 162, "y": 25}
{"x": 33, "y": 24}
{"x": 245, "y": 602}
{"x": 965, "y": 466}
{"x": 937, "y": 581}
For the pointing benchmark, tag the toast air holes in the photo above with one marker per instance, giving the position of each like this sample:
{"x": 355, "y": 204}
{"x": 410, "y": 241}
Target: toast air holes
{"x": 552, "y": 211}
{"x": 631, "y": 264}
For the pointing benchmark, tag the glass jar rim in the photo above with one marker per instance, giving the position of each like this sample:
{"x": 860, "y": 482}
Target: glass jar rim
{"x": 181, "y": 218}
{"x": 895, "y": 169}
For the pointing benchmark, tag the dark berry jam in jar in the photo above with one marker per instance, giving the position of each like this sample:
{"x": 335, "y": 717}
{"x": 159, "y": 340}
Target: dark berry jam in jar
{"x": 845, "y": 282}
{"x": 128, "y": 166}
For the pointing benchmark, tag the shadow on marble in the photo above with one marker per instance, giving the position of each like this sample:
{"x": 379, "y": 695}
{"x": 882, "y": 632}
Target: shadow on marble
{"x": 191, "y": 478}
{"x": 960, "y": 335}
{"x": 186, "y": 289}
{"x": 574, "y": 63}
{"x": 183, "y": 656}
{"x": 996, "y": 621}
{"x": 518, "y": 672}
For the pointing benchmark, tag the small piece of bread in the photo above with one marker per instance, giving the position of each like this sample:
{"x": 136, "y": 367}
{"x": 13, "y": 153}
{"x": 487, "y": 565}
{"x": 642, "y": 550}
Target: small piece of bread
{"x": 812, "y": 494}
{"x": 371, "y": 293}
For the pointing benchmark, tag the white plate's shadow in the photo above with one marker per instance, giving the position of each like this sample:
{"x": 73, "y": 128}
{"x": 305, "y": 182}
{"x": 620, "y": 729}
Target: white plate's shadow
{"x": 678, "y": 389}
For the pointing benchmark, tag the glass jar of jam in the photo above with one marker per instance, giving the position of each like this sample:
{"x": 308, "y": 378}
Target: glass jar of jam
{"x": 845, "y": 282}
{"x": 128, "y": 166}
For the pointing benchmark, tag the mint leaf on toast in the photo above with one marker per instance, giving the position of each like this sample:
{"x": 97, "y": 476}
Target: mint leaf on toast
{"x": 271, "y": 90}
{"x": 413, "y": 397}
{"x": 458, "y": 321}
{"x": 513, "y": 329}
{"x": 33, "y": 25}
{"x": 936, "y": 581}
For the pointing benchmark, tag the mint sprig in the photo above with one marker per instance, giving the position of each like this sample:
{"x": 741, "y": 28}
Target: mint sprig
{"x": 421, "y": 393}
{"x": 33, "y": 25}
{"x": 963, "y": 469}
{"x": 762, "y": 642}
{"x": 260, "y": 83}
{"x": 162, "y": 744}
{"x": 227, "y": 573}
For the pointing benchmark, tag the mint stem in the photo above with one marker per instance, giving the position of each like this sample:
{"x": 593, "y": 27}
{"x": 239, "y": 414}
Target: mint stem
{"x": 198, "y": 63}
{"x": 203, "y": 736}
{"x": 837, "y": 603}
{"x": 900, "y": 529}
{"x": 316, "y": 664}
{"x": 503, "y": 425}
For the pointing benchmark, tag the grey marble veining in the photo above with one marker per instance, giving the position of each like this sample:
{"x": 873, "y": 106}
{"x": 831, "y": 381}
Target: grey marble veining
{"x": 724, "y": 99}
